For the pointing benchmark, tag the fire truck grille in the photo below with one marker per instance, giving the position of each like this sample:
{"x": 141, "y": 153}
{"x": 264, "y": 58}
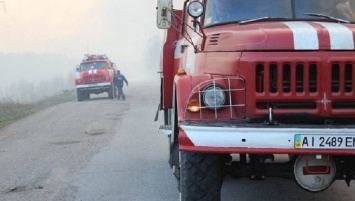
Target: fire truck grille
{"x": 282, "y": 78}
{"x": 342, "y": 78}
{"x": 93, "y": 78}
{"x": 299, "y": 86}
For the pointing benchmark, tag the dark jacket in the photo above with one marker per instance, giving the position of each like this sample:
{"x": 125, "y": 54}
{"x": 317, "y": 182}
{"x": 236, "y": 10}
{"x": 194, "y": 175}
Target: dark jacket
{"x": 119, "y": 79}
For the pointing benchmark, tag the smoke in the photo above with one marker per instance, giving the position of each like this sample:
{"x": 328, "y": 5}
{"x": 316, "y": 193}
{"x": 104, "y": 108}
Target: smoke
{"x": 30, "y": 77}
{"x": 43, "y": 40}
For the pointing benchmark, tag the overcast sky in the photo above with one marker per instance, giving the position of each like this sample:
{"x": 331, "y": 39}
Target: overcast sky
{"x": 119, "y": 28}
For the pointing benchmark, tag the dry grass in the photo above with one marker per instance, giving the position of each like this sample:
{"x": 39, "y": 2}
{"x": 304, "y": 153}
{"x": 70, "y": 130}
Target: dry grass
{"x": 11, "y": 111}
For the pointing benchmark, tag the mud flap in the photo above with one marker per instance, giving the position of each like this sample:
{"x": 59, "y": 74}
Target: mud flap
{"x": 157, "y": 114}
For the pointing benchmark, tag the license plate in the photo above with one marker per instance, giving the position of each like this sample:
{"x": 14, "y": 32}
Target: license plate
{"x": 93, "y": 85}
{"x": 324, "y": 142}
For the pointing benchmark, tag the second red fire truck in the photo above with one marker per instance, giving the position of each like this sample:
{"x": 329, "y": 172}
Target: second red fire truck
{"x": 95, "y": 75}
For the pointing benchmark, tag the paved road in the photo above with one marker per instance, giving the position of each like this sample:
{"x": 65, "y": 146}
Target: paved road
{"x": 133, "y": 166}
{"x": 109, "y": 150}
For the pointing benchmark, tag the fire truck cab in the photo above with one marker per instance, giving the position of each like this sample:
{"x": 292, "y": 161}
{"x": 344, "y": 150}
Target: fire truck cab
{"x": 95, "y": 75}
{"x": 245, "y": 83}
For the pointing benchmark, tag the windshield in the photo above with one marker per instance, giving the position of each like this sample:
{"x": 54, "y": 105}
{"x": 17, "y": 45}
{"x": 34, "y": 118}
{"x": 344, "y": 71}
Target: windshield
{"x": 93, "y": 65}
{"x": 225, "y": 11}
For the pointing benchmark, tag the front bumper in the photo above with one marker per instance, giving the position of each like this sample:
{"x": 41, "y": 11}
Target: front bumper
{"x": 257, "y": 140}
{"x": 94, "y": 87}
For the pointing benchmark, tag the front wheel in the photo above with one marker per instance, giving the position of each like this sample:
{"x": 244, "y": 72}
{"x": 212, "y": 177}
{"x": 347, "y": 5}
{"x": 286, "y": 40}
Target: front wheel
{"x": 86, "y": 95}
{"x": 114, "y": 91}
{"x": 201, "y": 176}
{"x": 79, "y": 95}
{"x": 111, "y": 91}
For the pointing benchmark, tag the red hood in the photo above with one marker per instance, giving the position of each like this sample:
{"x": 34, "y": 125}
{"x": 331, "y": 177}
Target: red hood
{"x": 93, "y": 72}
{"x": 281, "y": 36}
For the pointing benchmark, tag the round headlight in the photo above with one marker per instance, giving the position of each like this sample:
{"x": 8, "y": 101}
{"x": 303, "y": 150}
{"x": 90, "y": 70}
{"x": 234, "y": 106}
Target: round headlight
{"x": 195, "y": 9}
{"x": 214, "y": 97}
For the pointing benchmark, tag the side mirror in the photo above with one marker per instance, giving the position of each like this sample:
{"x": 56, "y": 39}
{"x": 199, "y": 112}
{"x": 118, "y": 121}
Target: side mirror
{"x": 77, "y": 68}
{"x": 164, "y": 10}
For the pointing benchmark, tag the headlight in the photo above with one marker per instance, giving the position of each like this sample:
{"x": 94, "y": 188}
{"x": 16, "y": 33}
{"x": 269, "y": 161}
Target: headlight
{"x": 195, "y": 9}
{"x": 214, "y": 97}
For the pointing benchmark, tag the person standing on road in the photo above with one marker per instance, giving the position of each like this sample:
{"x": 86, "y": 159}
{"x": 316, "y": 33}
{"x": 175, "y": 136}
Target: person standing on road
{"x": 119, "y": 79}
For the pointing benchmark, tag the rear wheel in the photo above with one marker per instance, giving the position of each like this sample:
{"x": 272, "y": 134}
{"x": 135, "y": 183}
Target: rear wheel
{"x": 201, "y": 176}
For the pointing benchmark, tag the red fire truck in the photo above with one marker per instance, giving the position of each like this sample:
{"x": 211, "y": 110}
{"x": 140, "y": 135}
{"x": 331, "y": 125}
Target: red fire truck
{"x": 258, "y": 88}
{"x": 95, "y": 75}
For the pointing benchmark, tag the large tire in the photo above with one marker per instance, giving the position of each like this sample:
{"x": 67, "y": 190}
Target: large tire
{"x": 79, "y": 95}
{"x": 111, "y": 92}
{"x": 201, "y": 176}
{"x": 86, "y": 96}
{"x": 114, "y": 91}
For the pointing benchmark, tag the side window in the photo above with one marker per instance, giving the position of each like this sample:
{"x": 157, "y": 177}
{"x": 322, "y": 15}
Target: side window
{"x": 208, "y": 14}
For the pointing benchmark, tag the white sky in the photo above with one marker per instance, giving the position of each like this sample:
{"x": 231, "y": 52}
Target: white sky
{"x": 72, "y": 27}
{"x": 115, "y": 27}
{"x": 119, "y": 28}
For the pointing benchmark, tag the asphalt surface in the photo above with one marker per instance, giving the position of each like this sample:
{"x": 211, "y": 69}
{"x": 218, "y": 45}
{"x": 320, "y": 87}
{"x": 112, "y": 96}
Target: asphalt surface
{"x": 110, "y": 150}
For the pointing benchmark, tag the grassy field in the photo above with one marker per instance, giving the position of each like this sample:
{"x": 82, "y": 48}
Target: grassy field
{"x": 11, "y": 111}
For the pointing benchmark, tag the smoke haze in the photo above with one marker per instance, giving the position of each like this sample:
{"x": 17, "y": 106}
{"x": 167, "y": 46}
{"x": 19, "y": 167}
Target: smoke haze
{"x": 43, "y": 40}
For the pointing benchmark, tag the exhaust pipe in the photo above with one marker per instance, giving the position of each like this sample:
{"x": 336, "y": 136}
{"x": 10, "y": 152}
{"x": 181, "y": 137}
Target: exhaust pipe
{"x": 314, "y": 173}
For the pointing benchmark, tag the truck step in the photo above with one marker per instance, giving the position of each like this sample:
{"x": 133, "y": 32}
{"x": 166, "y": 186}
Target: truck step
{"x": 165, "y": 129}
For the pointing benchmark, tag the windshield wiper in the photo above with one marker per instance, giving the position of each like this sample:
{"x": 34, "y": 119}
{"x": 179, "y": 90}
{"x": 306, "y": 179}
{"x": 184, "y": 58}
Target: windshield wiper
{"x": 261, "y": 19}
{"x": 327, "y": 16}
